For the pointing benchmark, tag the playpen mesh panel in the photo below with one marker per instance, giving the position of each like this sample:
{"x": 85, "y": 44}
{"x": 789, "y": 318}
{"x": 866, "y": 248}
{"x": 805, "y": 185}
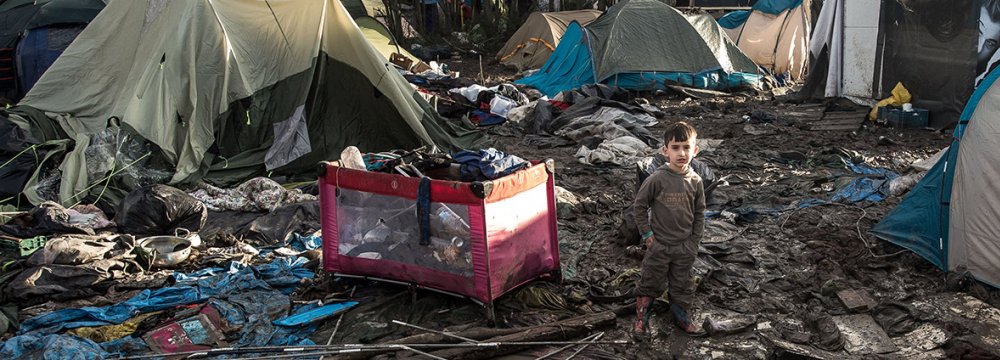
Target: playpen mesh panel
{"x": 386, "y": 227}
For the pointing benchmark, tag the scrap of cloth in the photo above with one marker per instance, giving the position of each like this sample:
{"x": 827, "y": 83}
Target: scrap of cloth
{"x": 255, "y": 195}
{"x": 487, "y": 164}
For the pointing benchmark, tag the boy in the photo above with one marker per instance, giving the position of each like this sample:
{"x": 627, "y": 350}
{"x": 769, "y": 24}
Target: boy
{"x": 670, "y": 213}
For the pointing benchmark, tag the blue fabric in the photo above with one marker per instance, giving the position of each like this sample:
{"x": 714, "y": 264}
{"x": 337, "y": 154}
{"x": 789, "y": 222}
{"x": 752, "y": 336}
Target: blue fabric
{"x": 182, "y": 278}
{"x": 306, "y": 243}
{"x": 571, "y": 66}
{"x": 487, "y": 164}
{"x": 310, "y": 313}
{"x": 424, "y": 210}
{"x": 862, "y": 189}
{"x": 734, "y": 19}
{"x": 38, "y": 346}
{"x": 39, "y": 49}
{"x": 282, "y": 274}
{"x": 125, "y": 346}
{"x": 873, "y": 186}
{"x": 775, "y": 7}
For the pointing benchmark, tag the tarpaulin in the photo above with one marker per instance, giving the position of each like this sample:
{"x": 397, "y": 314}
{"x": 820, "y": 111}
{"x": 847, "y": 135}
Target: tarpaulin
{"x": 280, "y": 274}
{"x": 775, "y": 7}
{"x": 873, "y": 186}
{"x": 40, "y": 346}
{"x": 931, "y": 47}
{"x": 734, "y": 19}
{"x": 310, "y": 314}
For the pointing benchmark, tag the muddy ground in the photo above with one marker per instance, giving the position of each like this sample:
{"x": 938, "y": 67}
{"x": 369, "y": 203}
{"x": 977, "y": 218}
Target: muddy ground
{"x": 768, "y": 264}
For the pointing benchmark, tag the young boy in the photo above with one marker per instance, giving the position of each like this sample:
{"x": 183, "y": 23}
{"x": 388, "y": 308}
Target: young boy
{"x": 670, "y": 213}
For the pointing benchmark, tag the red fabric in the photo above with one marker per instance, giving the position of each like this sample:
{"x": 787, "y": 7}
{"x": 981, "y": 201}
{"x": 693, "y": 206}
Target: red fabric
{"x": 561, "y": 105}
{"x": 521, "y": 245}
{"x": 328, "y": 214}
{"x": 513, "y": 184}
{"x": 480, "y": 255}
{"x": 452, "y": 192}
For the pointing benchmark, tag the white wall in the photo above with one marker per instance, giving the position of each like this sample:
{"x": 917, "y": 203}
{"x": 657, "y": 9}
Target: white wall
{"x": 860, "y": 42}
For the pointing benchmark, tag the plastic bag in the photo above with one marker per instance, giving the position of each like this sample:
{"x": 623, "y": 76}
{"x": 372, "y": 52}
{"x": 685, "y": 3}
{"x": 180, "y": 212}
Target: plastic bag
{"x": 159, "y": 210}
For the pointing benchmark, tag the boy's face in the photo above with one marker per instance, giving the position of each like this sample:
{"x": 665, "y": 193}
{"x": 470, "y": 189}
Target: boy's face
{"x": 680, "y": 153}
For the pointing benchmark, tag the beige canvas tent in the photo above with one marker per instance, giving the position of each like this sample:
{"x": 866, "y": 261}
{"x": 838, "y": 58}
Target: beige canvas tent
{"x": 225, "y": 90}
{"x": 777, "y": 42}
{"x": 532, "y": 44}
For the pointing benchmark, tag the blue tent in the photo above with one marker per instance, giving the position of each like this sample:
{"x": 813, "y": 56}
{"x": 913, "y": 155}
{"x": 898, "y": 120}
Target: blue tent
{"x": 644, "y": 45}
{"x": 965, "y": 237}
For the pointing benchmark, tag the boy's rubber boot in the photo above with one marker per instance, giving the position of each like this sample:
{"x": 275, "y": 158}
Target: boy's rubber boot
{"x": 683, "y": 320}
{"x": 643, "y": 304}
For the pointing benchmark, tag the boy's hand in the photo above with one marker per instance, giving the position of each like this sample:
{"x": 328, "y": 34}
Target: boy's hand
{"x": 649, "y": 242}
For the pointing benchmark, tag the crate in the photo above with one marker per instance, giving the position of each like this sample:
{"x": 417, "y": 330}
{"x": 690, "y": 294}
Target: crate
{"x": 486, "y": 238}
{"x": 896, "y": 117}
{"x": 22, "y": 248}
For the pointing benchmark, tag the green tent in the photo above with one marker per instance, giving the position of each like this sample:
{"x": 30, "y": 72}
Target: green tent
{"x": 380, "y": 37}
{"x": 222, "y": 90}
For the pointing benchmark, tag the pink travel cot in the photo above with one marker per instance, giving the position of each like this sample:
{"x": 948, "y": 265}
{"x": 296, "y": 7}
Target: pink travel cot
{"x": 481, "y": 239}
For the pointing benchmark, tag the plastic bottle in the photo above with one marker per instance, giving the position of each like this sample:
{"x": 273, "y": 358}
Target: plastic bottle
{"x": 379, "y": 233}
{"x": 453, "y": 224}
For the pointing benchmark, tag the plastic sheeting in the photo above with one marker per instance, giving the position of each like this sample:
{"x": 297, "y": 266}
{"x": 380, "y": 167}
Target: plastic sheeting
{"x": 930, "y": 47}
{"x": 312, "y": 314}
{"x": 160, "y": 210}
{"x": 283, "y": 274}
{"x": 38, "y": 346}
{"x": 873, "y": 186}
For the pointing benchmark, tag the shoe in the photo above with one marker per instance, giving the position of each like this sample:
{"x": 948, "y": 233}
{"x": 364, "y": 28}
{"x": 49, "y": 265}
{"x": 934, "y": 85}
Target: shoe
{"x": 683, "y": 321}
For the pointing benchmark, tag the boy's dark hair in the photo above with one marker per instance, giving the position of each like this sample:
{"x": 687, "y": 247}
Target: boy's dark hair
{"x": 679, "y": 131}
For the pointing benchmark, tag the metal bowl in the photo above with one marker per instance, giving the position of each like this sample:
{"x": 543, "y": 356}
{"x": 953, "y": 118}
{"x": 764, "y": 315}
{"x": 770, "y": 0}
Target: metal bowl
{"x": 164, "y": 251}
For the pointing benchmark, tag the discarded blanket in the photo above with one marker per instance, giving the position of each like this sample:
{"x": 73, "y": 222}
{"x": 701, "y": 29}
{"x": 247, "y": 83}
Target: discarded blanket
{"x": 263, "y": 230}
{"x": 621, "y": 151}
{"x": 70, "y": 267}
{"x": 487, "y": 164}
{"x": 50, "y": 218}
{"x": 255, "y": 195}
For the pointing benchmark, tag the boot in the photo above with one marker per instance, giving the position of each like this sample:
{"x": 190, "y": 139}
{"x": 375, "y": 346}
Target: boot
{"x": 683, "y": 320}
{"x": 642, "y": 306}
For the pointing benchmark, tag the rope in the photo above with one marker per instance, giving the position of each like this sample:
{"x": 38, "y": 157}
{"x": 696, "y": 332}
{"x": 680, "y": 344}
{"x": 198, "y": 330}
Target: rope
{"x": 107, "y": 177}
{"x": 32, "y": 148}
{"x": 521, "y": 46}
{"x": 864, "y": 214}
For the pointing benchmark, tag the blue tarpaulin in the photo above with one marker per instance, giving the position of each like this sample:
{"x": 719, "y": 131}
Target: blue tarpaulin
{"x": 39, "y": 346}
{"x": 282, "y": 274}
{"x": 775, "y": 7}
{"x": 872, "y": 186}
{"x": 312, "y": 313}
{"x": 734, "y": 19}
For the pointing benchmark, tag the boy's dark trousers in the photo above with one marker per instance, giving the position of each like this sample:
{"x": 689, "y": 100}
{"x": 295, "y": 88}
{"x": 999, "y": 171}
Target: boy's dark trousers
{"x": 670, "y": 267}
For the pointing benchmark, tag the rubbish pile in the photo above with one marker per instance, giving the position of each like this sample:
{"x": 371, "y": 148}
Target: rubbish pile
{"x": 149, "y": 279}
